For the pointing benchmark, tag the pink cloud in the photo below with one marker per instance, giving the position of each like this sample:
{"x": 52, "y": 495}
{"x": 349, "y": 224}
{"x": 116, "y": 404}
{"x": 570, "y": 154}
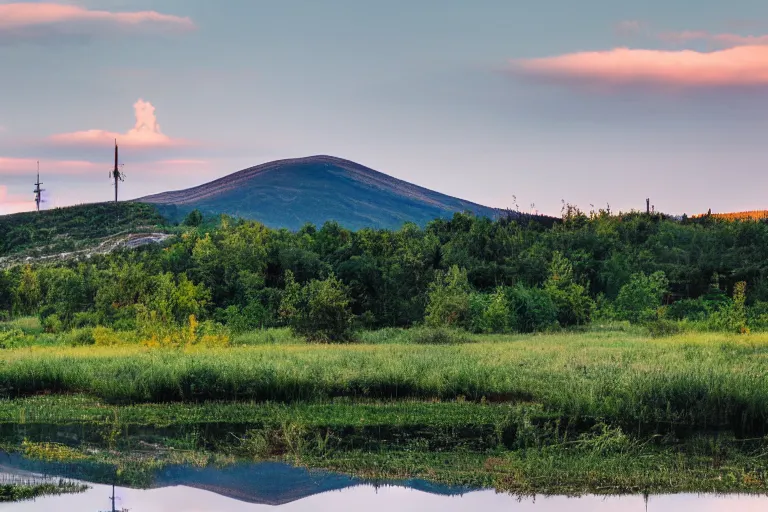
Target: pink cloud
{"x": 36, "y": 20}
{"x": 739, "y": 66}
{"x": 13, "y": 203}
{"x": 146, "y": 133}
{"x": 28, "y": 166}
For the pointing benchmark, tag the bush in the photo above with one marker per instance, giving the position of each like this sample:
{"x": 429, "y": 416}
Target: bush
{"x": 437, "y": 336}
{"x": 448, "y": 299}
{"x": 79, "y": 337}
{"x": 695, "y": 310}
{"x": 242, "y": 319}
{"x": 319, "y": 310}
{"x": 52, "y": 324}
{"x": 573, "y": 303}
{"x": 15, "y": 338}
{"x": 491, "y": 313}
{"x": 85, "y": 319}
{"x": 640, "y": 299}
{"x": 757, "y": 315}
{"x": 533, "y": 307}
{"x": 663, "y": 327}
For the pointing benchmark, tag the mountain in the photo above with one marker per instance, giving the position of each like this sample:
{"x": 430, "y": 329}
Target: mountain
{"x": 316, "y": 189}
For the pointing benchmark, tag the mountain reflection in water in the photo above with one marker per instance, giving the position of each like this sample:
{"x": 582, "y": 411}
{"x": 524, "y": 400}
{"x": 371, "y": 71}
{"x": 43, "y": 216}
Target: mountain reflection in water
{"x": 249, "y": 487}
{"x": 379, "y": 499}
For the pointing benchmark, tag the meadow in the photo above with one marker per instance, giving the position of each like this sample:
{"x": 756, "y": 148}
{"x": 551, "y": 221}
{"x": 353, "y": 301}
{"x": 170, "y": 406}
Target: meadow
{"x": 604, "y": 410}
{"x": 693, "y": 380}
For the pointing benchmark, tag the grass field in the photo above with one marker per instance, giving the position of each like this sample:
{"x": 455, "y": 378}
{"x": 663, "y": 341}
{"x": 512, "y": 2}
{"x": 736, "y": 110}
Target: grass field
{"x": 595, "y": 411}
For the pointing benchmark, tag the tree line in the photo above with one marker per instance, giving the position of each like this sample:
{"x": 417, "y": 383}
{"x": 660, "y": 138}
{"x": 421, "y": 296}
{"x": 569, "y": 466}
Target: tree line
{"x": 505, "y": 275}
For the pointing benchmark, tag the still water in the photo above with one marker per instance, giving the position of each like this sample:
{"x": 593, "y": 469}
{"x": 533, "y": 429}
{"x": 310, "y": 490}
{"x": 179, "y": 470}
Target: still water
{"x": 278, "y": 487}
{"x": 371, "y": 499}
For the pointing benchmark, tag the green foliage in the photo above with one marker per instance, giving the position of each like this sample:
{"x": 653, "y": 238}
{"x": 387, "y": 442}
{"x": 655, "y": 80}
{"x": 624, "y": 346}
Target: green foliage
{"x": 448, "y": 299}
{"x": 491, "y": 313}
{"x": 534, "y": 309}
{"x": 72, "y": 228}
{"x": 640, "y": 299}
{"x": 194, "y": 218}
{"x": 732, "y": 316}
{"x": 463, "y": 272}
{"x": 319, "y": 310}
{"x": 572, "y": 301}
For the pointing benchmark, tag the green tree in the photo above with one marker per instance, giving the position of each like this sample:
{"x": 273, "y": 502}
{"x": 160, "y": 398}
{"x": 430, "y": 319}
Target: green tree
{"x": 448, "y": 299}
{"x": 28, "y": 291}
{"x": 194, "y": 218}
{"x": 573, "y": 303}
{"x": 319, "y": 310}
{"x": 640, "y": 299}
{"x": 491, "y": 312}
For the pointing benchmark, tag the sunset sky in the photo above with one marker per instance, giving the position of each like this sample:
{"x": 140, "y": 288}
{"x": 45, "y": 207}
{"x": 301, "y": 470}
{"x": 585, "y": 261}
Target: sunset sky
{"x": 591, "y": 102}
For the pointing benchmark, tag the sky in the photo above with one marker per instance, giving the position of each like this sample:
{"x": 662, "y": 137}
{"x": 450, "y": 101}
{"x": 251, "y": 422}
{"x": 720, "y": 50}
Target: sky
{"x": 506, "y": 103}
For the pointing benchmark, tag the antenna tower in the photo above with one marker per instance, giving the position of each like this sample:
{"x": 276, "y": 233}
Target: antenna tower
{"x": 38, "y": 191}
{"x": 112, "y": 499}
{"x": 117, "y": 173}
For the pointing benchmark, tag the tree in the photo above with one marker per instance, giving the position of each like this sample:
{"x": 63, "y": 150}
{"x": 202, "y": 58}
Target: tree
{"x": 640, "y": 299}
{"x": 194, "y": 218}
{"x": 573, "y": 303}
{"x": 28, "y": 291}
{"x": 319, "y": 310}
{"x": 448, "y": 299}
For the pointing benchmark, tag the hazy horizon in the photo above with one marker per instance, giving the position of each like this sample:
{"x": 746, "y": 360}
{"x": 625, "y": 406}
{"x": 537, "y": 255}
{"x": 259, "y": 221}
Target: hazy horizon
{"x": 597, "y": 103}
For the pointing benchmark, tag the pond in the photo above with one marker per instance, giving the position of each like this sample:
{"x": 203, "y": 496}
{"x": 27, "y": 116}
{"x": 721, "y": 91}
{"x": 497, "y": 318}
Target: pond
{"x": 274, "y": 486}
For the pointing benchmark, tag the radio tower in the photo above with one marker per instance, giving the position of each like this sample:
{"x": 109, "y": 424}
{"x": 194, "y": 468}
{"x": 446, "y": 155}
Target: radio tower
{"x": 38, "y": 191}
{"x": 116, "y": 174}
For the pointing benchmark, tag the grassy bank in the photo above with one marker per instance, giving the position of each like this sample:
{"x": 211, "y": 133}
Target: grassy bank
{"x": 697, "y": 381}
{"x": 591, "y": 412}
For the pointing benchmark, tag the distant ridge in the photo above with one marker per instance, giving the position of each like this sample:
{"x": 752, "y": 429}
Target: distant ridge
{"x": 290, "y": 193}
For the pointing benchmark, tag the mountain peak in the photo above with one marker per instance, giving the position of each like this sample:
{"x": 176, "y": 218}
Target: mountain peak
{"x": 291, "y": 192}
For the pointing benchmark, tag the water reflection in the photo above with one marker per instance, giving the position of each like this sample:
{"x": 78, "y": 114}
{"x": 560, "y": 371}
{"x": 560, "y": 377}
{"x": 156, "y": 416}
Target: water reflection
{"x": 272, "y": 486}
{"x": 378, "y": 499}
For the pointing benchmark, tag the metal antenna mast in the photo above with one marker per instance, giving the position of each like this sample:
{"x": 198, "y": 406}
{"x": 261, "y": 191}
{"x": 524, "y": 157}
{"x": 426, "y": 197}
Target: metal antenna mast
{"x": 116, "y": 173}
{"x": 38, "y": 191}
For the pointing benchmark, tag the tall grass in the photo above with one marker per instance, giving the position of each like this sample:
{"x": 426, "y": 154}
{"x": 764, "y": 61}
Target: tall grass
{"x": 702, "y": 380}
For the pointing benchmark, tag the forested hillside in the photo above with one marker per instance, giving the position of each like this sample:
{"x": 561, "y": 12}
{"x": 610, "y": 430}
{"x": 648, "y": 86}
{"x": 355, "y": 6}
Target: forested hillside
{"x": 73, "y": 228}
{"x": 474, "y": 273}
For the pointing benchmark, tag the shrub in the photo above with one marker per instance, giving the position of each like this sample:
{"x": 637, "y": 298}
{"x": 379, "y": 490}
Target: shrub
{"x": 319, "y": 310}
{"x": 448, "y": 299}
{"x": 573, "y": 303}
{"x": 52, "y": 324}
{"x": 437, "y": 336}
{"x": 15, "y": 338}
{"x": 663, "y": 327}
{"x": 688, "y": 309}
{"x": 640, "y": 299}
{"x": 79, "y": 337}
{"x": 85, "y": 319}
{"x": 491, "y": 313}
{"x": 733, "y": 316}
{"x": 106, "y": 337}
{"x": 241, "y": 319}
{"x": 533, "y": 307}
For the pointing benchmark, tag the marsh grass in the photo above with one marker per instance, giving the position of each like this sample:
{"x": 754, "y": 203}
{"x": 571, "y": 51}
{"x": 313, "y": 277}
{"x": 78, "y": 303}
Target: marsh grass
{"x": 21, "y": 492}
{"x": 699, "y": 381}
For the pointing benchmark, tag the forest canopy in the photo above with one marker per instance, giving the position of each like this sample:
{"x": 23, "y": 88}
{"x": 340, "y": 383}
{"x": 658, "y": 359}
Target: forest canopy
{"x": 506, "y": 275}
